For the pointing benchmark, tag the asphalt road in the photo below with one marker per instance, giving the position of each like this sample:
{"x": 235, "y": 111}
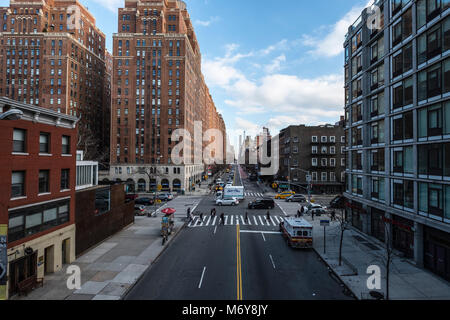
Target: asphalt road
{"x": 236, "y": 262}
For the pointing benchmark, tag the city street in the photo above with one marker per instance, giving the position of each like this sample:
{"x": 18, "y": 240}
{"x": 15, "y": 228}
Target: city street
{"x": 238, "y": 260}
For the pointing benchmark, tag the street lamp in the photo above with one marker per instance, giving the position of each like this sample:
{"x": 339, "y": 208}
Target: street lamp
{"x": 13, "y": 114}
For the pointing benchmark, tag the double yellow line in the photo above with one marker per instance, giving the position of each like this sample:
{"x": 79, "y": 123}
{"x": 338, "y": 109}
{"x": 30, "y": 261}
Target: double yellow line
{"x": 238, "y": 264}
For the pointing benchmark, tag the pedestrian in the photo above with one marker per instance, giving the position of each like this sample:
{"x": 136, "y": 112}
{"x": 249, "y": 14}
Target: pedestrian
{"x": 201, "y": 216}
{"x": 246, "y": 216}
{"x": 333, "y": 215}
{"x": 268, "y": 215}
{"x": 222, "y": 218}
{"x": 213, "y": 212}
{"x": 189, "y": 212}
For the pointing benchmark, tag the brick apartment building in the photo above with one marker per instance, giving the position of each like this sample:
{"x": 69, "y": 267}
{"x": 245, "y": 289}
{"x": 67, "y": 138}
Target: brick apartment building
{"x": 37, "y": 198}
{"x": 398, "y": 127}
{"x": 52, "y": 55}
{"x": 158, "y": 87}
{"x": 319, "y": 150}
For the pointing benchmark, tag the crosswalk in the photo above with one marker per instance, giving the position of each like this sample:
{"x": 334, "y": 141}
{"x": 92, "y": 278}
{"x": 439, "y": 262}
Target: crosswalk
{"x": 234, "y": 220}
{"x": 254, "y": 194}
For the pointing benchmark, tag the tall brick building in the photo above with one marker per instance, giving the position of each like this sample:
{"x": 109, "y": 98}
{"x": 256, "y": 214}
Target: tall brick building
{"x": 53, "y": 55}
{"x": 158, "y": 87}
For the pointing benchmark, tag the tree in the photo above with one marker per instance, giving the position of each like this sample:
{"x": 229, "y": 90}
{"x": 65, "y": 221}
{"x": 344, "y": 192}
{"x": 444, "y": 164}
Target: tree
{"x": 343, "y": 226}
{"x": 388, "y": 254}
{"x": 92, "y": 146}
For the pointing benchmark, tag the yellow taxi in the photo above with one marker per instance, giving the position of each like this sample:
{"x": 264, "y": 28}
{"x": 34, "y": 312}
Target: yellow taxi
{"x": 284, "y": 194}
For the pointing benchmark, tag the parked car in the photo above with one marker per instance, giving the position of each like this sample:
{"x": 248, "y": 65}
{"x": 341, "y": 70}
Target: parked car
{"x": 296, "y": 198}
{"x": 140, "y": 210}
{"x": 227, "y": 202}
{"x": 165, "y": 196}
{"x": 130, "y": 197}
{"x": 284, "y": 194}
{"x": 262, "y": 204}
{"x": 145, "y": 201}
{"x": 313, "y": 206}
{"x": 338, "y": 202}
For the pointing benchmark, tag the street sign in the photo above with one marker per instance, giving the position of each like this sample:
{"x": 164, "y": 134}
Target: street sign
{"x": 325, "y": 223}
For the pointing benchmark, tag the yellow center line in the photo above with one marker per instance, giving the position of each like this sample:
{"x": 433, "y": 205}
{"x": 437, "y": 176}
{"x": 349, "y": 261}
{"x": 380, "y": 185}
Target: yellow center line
{"x": 238, "y": 264}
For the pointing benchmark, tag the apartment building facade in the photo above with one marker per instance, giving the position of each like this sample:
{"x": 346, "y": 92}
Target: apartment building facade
{"x": 319, "y": 150}
{"x": 52, "y": 55}
{"x": 158, "y": 88}
{"x": 38, "y": 173}
{"x": 397, "y": 92}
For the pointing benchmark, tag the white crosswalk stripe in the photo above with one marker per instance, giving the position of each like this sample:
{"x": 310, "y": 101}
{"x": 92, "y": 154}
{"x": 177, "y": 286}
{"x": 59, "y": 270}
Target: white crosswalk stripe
{"x": 235, "y": 220}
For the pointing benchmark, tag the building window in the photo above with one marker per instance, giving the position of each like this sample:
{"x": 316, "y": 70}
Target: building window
{"x": 65, "y": 145}
{"x": 403, "y": 161}
{"x": 403, "y": 127}
{"x": 434, "y": 121}
{"x": 65, "y": 174}
{"x": 434, "y": 200}
{"x": 102, "y": 201}
{"x": 19, "y": 140}
{"x": 18, "y": 184}
{"x": 29, "y": 221}
{"x": 44, "y": 143}
{"x": 44, "y": 181}
{"x": 434, "y": 159}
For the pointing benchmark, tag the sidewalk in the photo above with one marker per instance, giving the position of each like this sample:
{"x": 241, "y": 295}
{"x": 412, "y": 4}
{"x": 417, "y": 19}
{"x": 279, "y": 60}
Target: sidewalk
{"x": 115, "y": 265}
{"x": 407, "y": 282}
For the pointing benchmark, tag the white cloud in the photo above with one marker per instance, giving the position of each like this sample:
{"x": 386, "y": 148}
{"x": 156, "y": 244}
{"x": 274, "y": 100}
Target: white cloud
{"x": 206, "y": 23}
{"x": 276, "y": 64}
{"x": 332, "y": 44}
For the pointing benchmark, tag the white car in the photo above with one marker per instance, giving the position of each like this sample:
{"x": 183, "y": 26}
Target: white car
{"x": 313, "y": 206}
{"x": 229, "y": 185}
{"x": 227, "y": 202}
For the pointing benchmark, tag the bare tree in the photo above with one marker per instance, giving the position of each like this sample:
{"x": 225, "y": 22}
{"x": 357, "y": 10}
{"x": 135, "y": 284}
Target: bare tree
{"x": 92, "y": 146}
{"x": 388, "y": 254}
{"x": 343, "y": 226}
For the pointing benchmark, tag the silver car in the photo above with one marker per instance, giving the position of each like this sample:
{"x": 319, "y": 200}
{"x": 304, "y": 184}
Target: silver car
{"x": 227, "y": 202}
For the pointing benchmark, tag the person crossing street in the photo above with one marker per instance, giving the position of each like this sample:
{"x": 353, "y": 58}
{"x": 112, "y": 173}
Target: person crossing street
{"x": 222, "y": 219}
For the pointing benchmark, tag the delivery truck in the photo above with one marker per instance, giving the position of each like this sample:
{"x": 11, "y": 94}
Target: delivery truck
{"x": 233, "y": 192}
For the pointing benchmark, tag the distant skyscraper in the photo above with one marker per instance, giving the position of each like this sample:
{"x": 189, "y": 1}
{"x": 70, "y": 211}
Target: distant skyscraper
{"x": 158, "y": 87}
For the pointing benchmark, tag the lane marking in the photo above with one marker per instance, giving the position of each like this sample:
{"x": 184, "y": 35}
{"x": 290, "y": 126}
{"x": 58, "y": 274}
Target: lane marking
{"x": 273, "y": 263}
{"x": 264, "y": 238}
{"x": 260, "y": 219}
{"x": 238, "y": 264}
{"x": 226, "y": 220}
{"x": 256, "y": 221}
{"x": 207, "y": 224}
{"x": 265, "y": 232}
{"x": 201, "y": 279}
{"x": 268, "y": 222}
{"x": 231, "y": 220}
{"x": 274, "y": 224}
{"x": 215, "y": 230}
{"x": 282, "y": 209}
{"x": 214, "y": 222}
{"x": 243, "y": 221}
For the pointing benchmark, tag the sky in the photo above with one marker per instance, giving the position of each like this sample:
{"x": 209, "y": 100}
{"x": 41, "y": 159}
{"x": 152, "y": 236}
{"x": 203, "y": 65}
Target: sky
{"x": 266, "y": 62}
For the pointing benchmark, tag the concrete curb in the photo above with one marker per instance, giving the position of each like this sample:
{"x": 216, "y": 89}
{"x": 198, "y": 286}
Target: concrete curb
{"x": 354, "y": 294}
{"x": 166, "y": 246}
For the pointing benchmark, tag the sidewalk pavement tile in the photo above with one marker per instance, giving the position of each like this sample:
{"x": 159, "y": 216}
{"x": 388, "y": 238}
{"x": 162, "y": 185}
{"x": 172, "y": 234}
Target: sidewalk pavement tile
{"x": 130, "y": 274}
{"x": 104, "y": 276}
{"x": 92, "y": 287}
{"x": 104, "y": 297}
{"x": 115, "y": 289}
{"x": 80, "y": 297}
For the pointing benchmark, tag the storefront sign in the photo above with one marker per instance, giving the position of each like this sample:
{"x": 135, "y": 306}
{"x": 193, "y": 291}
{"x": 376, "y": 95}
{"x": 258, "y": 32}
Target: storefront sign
{"x": 398, "y": 224}
{"x": 3, "y": 260}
